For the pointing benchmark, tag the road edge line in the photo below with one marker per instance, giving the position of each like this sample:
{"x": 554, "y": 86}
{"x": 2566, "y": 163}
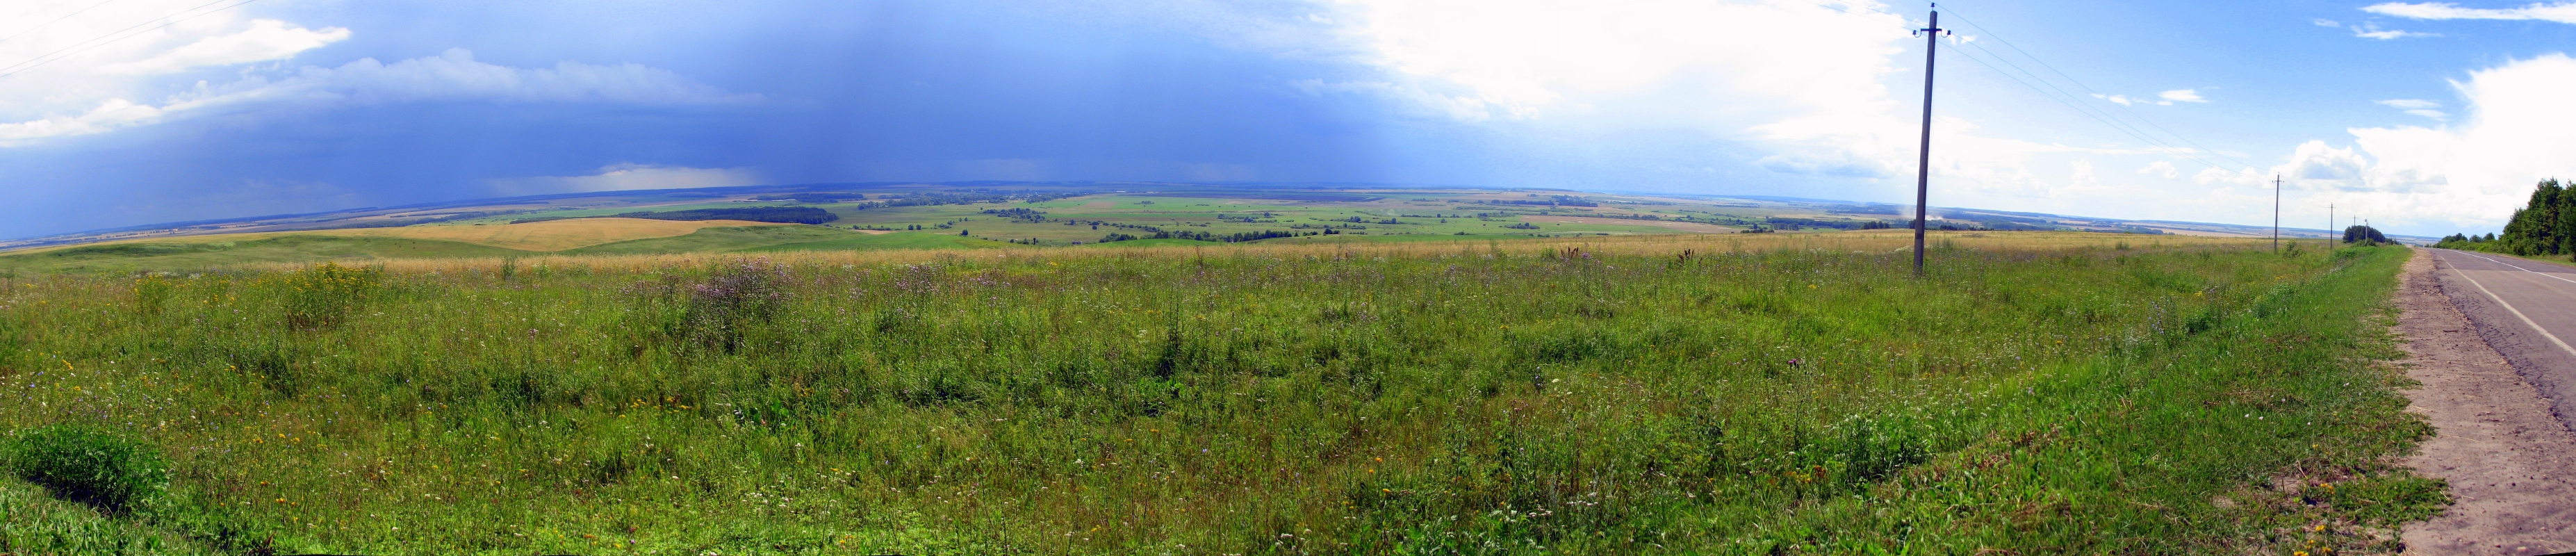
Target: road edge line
{"x": 2516, "y": 266}
{"x": 2517, "y": 313}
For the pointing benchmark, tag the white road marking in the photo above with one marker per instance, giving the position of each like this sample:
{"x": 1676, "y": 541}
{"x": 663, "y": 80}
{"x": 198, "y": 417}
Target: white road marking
{"x": 2517, "y": 313}
{"x": 2512, "y": 266}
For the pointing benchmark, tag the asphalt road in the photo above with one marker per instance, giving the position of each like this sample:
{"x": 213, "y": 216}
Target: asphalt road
{"x": 2525, "y": 310}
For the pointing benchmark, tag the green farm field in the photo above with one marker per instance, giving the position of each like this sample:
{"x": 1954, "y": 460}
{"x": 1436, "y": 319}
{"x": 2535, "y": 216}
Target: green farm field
{"x": 1631, "y": 394}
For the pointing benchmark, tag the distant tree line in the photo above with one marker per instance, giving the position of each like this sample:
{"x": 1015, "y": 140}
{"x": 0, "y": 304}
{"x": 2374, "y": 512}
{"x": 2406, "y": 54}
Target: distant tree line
{"x": 1031, "y": 216}
{"x": 1207, "y": 236}
{"x": 2466, "y": 242}
{"x": 2358, "y": 234}
{"x": 2544, "y": 226}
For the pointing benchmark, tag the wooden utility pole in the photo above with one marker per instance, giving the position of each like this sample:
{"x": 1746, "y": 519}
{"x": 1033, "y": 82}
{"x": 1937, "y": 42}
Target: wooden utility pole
{"x": 2276, "y": 213}
{"x": 2332, "y": 242}
{"x": 1923, "y": 166}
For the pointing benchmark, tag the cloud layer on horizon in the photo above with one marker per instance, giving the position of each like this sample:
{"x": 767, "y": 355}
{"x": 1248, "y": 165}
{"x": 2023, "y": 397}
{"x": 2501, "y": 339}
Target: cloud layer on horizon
{"x": 450, "y": 76}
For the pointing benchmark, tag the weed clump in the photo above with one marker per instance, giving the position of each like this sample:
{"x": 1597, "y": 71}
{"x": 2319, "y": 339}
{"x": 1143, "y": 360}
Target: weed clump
{"x": 152, "y": 291}
{"x": 88, "y": 465}
{"x": 715, "y": 312}
{"x": 323, "y": 296}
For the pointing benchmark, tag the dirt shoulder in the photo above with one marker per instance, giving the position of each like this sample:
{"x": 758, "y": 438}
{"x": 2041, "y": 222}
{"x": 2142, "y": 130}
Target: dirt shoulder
{"x": 2510, "y": 463}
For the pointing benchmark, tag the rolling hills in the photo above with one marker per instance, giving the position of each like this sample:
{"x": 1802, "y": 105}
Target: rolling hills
{"x": 980, "y": 215}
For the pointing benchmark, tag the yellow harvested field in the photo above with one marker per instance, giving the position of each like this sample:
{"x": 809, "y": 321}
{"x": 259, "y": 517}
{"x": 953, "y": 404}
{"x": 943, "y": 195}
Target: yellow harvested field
{"x": 551, "y": 235}
{"x": 1667, "y": 224}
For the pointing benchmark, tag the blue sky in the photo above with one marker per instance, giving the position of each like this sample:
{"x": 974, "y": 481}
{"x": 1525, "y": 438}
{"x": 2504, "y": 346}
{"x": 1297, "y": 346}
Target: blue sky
{"x": 2427, "y": 118}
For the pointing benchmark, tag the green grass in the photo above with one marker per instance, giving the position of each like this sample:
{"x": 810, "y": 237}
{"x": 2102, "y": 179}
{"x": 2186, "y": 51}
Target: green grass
{"x": 1332, "y": 399}
{"x": 895, "y": 240}
{"x": 131, "y": 257}
{"x": 32, "y": 523}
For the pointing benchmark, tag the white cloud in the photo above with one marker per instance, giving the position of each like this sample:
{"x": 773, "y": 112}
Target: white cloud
{"x": 2417, "y": 107}
{"x": 2167, "y": 98}
{"x": 625, "y": 176}
{"x": 1804, "y": 81}
{"x": 2314, "y": 161}
{"x": 2470, "y": 176}
{"x": 2372, "y": 31}
{"x": 2125, "y": 100}
{"x": 114, "y": 113}
{"x": 2562, "y": 12}
{"x": 450, "y": 76}
{"x": 1538, "y": 59}
{"x": 2322, "y": 22}
{"x": 267, "y": 39}
{"x": 2160, "y": 168}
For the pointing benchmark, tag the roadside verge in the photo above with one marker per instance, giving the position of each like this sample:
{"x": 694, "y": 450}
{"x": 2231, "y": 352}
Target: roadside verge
{"x": 2508, "y": 461}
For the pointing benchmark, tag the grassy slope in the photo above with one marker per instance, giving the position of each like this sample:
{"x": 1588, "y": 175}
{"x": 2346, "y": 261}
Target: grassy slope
{"x": 895, "y": 240}
{"x": 1483, "y": 400}
{"x": 127, "y": 257}
{"x": 32, "y": 523}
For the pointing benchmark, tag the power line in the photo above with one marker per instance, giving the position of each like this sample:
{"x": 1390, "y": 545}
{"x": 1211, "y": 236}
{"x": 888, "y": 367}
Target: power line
{"x": 2079, "y": 104}
{"x": 1999, "y": 39}
{"x": 48, "y": 58}
{"x": 2071, "y": 100}
{"x": 57, "y": 20}
{"x": 2102, "y": 118}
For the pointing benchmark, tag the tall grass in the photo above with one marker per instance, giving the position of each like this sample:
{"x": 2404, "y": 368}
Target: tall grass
{"x": 1609, "y": 396}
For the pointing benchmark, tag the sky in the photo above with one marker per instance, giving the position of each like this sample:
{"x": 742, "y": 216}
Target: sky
{"x": 2426, "y": 118}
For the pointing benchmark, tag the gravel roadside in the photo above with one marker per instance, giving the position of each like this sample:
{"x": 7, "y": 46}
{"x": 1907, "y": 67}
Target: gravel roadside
{"x": 2511, "y": 464}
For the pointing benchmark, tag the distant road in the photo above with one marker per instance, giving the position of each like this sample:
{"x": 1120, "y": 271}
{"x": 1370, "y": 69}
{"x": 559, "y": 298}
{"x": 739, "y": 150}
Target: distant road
{"x": 2525, "y": 310}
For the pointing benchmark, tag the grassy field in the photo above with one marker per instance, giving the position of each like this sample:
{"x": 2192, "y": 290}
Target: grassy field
{"x": 1780, "y": 393}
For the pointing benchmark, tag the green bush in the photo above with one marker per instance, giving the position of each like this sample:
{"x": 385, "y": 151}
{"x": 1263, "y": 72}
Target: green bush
{"x": 89, "y": 466}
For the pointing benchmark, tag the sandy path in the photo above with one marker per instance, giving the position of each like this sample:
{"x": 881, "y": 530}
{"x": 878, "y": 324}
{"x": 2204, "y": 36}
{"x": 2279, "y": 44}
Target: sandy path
{"x": 2510, "y": 463}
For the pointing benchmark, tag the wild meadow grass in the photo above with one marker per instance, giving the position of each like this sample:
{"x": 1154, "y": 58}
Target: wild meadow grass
{"x": 1603, "y": 396}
